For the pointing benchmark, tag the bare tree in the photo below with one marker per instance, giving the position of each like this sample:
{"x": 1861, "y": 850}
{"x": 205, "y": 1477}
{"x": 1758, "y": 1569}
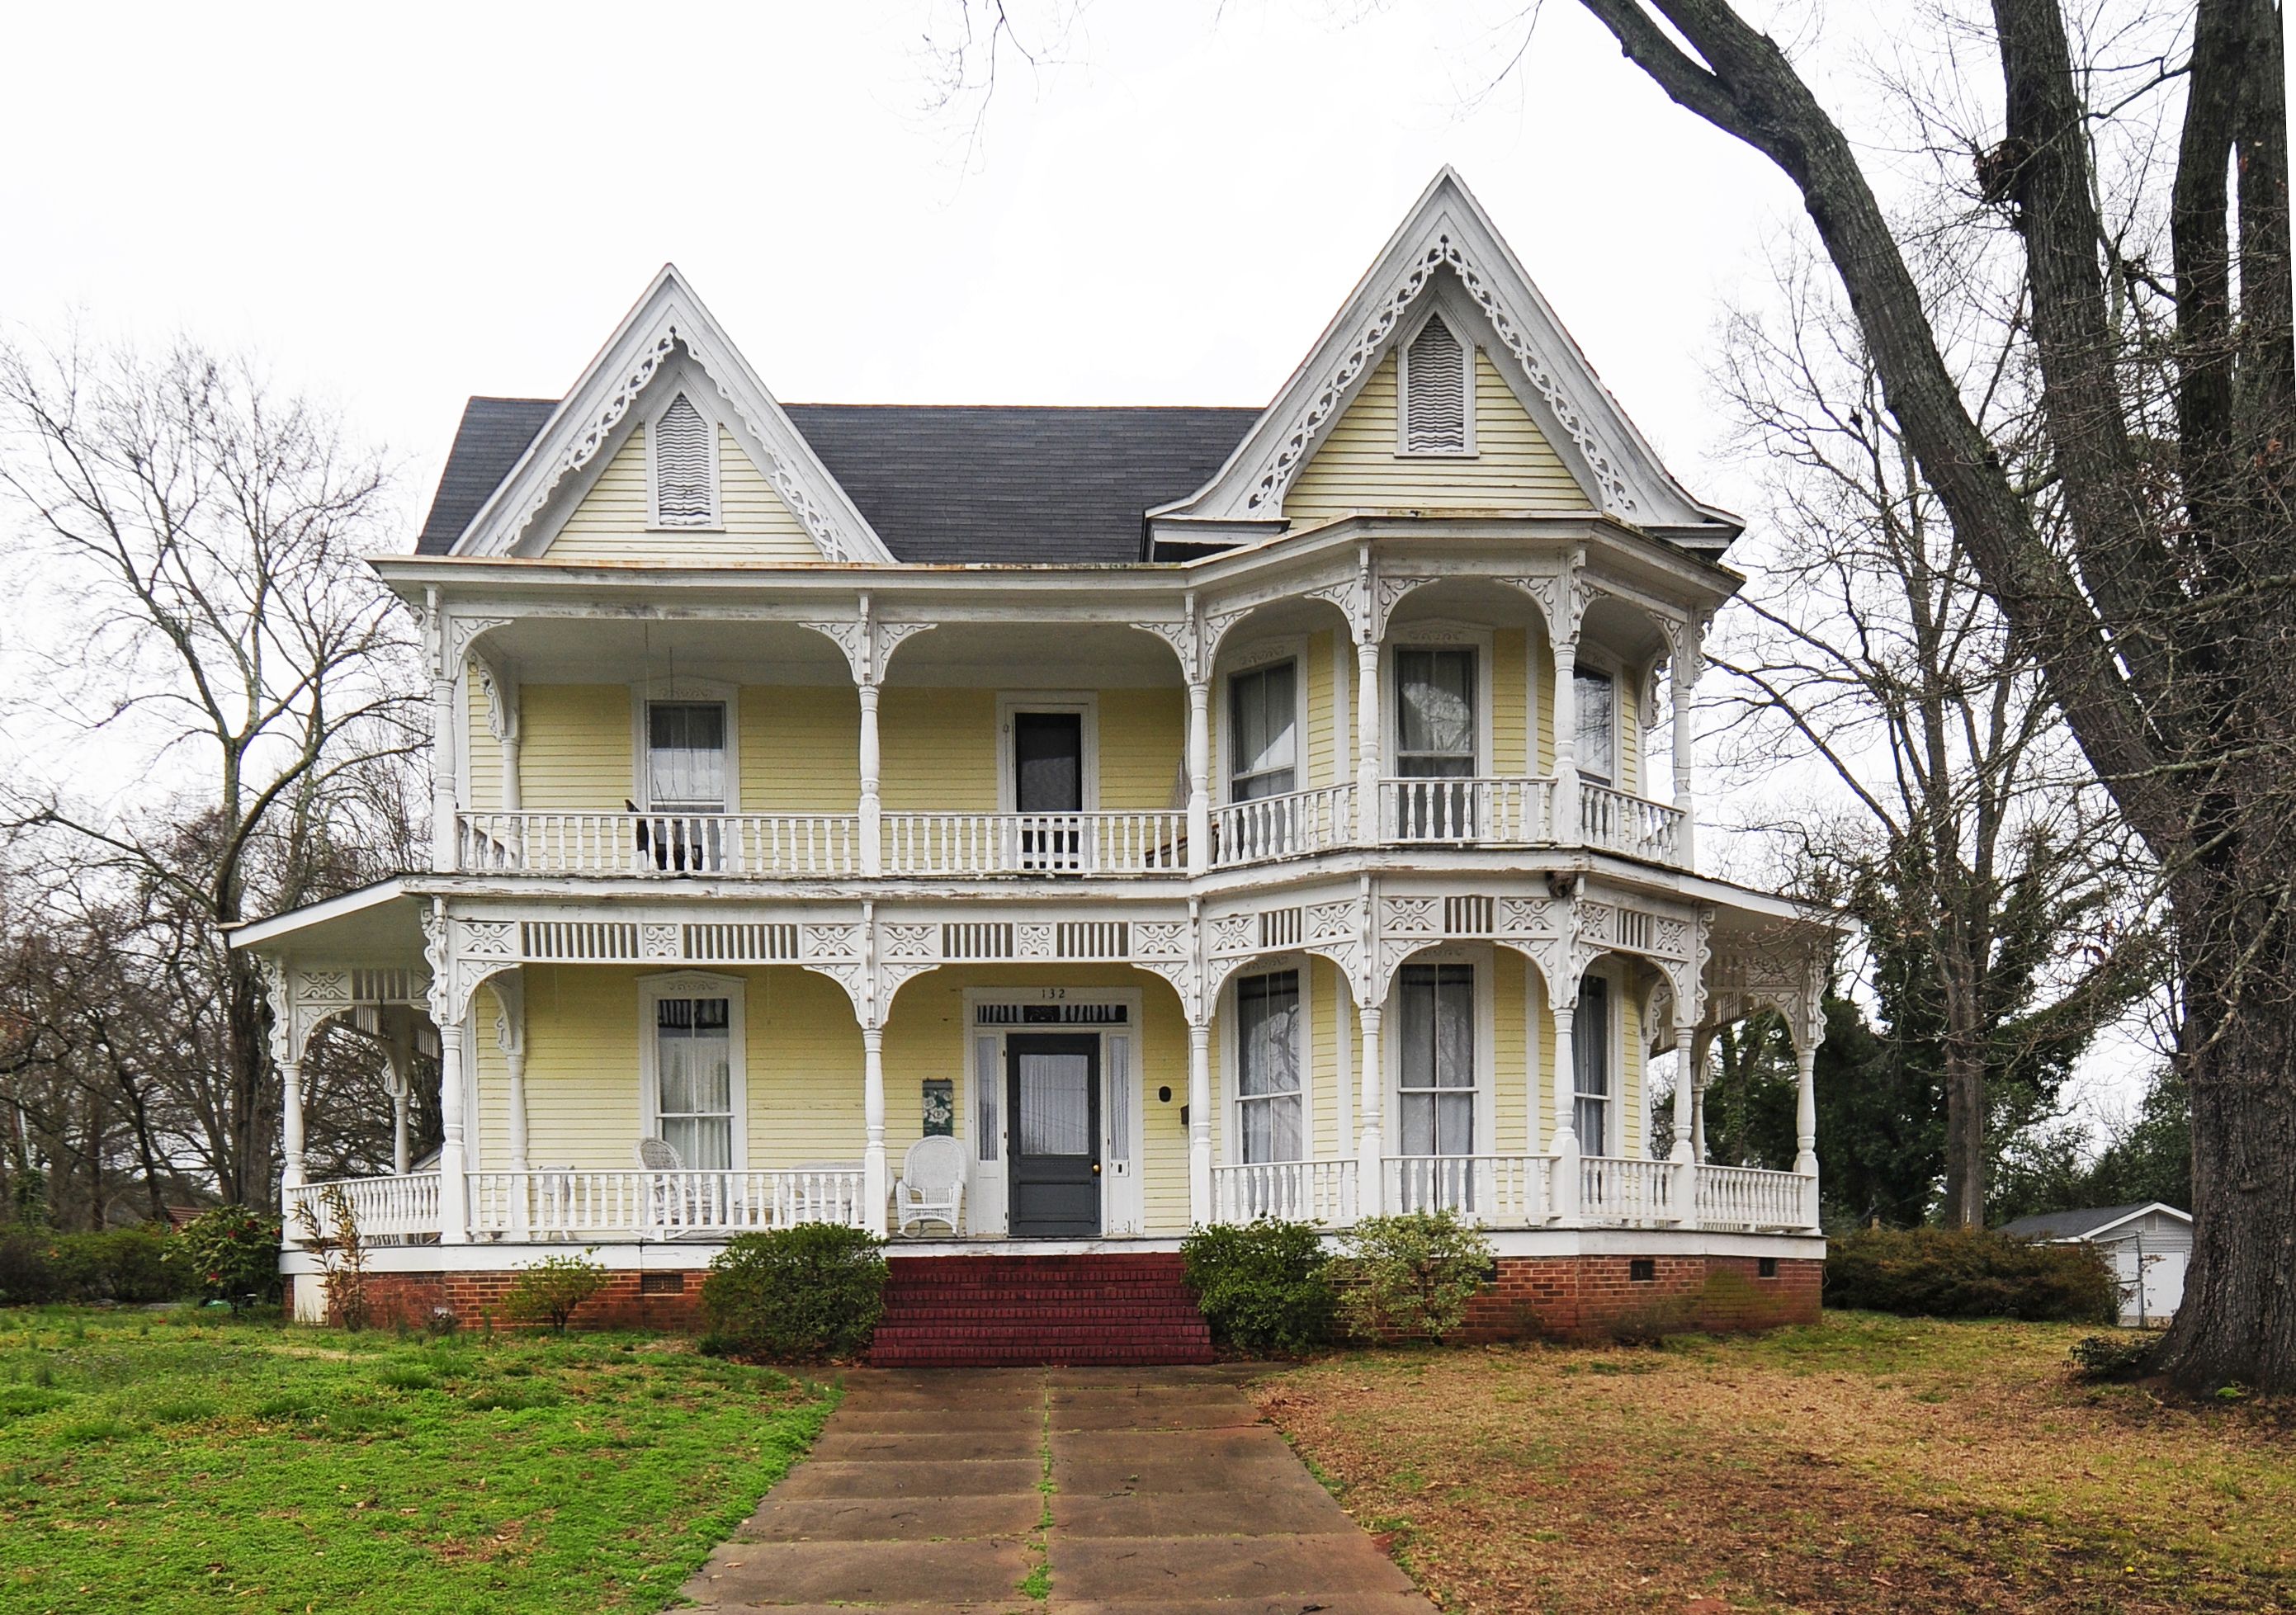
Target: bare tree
{"x": 2162, "y": 610}
{"x": 196, "y": 536}
{"x": 1988, "y": 869}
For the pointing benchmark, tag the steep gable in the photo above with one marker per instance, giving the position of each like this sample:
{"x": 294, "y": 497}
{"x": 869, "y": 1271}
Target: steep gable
{"x": 612, "y": 521}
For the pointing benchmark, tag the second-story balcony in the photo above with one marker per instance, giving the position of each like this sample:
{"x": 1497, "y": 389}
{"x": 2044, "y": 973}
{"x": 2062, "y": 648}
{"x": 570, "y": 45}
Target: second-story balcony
{"x": 1447, "y": 813}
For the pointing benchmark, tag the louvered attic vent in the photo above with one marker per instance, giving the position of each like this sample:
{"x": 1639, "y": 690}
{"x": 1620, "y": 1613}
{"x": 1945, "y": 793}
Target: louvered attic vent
{"x": 1435, "y": 402}
{"x": 681, "y": 467}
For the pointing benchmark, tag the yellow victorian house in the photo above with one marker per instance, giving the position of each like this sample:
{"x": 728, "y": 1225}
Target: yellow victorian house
{"x": 1033, "y": 832}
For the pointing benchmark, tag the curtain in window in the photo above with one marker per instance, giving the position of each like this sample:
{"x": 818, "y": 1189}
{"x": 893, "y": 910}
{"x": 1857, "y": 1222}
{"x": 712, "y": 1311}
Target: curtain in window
{"x": 1264, "y": 705}
{"x": 1056, "y": 1106}
{"x": 1267, "y": 1065}
{"x": 686, "y": 755}
{"x": 1437, "y": 1060}
{"x": 694, "y": 1062}
{"x": 1590, "y": 1053}
{"x": 1435, "y": 714}
{"x": 985, "y": 1083}
{"x": 1598, "y": 728}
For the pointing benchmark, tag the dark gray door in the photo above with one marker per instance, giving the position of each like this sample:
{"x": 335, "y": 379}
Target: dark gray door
{"x": 1048, "y": 787}
{"x": 1053, "y": 1081}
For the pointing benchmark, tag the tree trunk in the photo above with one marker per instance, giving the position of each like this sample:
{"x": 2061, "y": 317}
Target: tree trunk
{"x": 245, "y": 1177}
{"x": 1965, "y": 1136}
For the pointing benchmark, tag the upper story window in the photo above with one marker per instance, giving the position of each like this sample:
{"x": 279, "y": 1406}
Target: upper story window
{"x": 1598, "y": 726}
{"x": 686, "y": 755}
{"x": 1435, "y": 714}
{"x": 1264, "y": 707}
{"x": 685, "y": 460}
{"x": 1435, "y": 395}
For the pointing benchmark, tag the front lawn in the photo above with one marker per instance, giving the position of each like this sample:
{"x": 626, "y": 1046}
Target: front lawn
{"x": 183, "y": 1461}
{"x": 1867, "y": 1463}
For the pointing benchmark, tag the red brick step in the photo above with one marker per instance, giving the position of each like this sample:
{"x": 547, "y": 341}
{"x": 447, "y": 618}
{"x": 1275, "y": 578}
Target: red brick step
{"x": 959, "y": 1311}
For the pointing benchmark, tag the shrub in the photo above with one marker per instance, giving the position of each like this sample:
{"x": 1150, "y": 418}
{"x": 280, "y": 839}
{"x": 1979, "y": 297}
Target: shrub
{"x": 1953, "y": 1273}
{"x": 2107, "y": 1357}
{"x": 231, "y": 1253}
{"x": 547, "y": 1291}
{"x": 1263, "y": 1285}
{"x": 815, "y": 1290}
{"x": 342, "y": 1256}
{"x": 130, "y": 1265}
{"x": 127, "y": 1264}
{"x": 28, "y": 1268}
{"x": 1410, "y": 1275}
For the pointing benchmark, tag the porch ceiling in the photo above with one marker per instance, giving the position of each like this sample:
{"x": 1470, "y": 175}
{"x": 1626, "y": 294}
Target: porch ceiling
{"x": 379, "y": 928}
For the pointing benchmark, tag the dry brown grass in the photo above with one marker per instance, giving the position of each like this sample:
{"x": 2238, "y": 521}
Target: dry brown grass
{"x": 1867, "y": 1463}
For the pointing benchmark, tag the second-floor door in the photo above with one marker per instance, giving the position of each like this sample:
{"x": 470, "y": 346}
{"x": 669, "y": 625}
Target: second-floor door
{"x": 1048, "y": 779}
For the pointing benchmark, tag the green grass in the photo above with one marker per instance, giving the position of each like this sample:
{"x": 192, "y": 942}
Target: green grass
{"x": 183, "y": 1461}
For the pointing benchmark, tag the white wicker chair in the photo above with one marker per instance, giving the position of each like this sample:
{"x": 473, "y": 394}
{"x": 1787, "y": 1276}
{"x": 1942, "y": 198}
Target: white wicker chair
{"x": 932, "y": 1185}
{"x": 665, "y": 1199}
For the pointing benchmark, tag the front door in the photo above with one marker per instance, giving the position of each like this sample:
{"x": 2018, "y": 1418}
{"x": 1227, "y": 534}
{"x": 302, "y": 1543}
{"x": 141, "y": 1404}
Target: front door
{"x": 1052, "y": 1083}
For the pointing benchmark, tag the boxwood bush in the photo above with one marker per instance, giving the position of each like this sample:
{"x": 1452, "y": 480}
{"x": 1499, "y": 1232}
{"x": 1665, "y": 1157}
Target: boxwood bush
{"x": 124, "y": 1265}
{"x": 1262, "y": 1285}
{"x": 1952, "y": 1273}
{"x": 813, "y": 1290}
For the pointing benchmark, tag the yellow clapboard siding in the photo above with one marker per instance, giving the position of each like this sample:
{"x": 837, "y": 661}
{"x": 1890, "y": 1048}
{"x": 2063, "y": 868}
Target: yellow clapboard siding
{"x": 1630, "y": 1090}
{"x": 1543, "y": 668}
{"x": 483, "y": 753}
{"x": 1327, "y": 1000}
{"x": 801, "y": 748}
{"x": 575, "y": 748}
{"x": 1357, "y": 467}
{"x": 1508, "y": 691}
{"x": 938, "y": 750}
{"x": 804, "y": 1052}
{"x": 1143, "y": 735}
{"x": 582, "y": 1031}
{"x": 1509, "y": 1023}
{"x": 610, "y": 524}
{"x": 1321, "y": 713}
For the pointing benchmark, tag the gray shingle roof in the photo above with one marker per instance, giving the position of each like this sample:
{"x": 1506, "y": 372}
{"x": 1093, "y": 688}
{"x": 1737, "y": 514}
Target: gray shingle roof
{"x": 940, "y": 483}
{"x": 494, "y": 433}
{"x": 2074, "y": 1225}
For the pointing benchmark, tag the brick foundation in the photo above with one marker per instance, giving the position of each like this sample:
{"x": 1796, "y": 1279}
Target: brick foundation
{"x": 1597, "y": 1297}
{"x": 413, "y": 1299}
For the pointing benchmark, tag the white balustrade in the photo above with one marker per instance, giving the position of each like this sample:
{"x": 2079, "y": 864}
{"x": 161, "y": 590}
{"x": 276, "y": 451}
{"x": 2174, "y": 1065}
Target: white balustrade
{"x": 384, "y": 1208}
{"x": 1036, "y": 843}
{"x": 1627, "y": 1192}
{"x": 1492, "y": 811}
{"x": 577, "y": 1203}
{"x": 1619, "y": 823}
{"x": 1749, "y": 1198}
{"x": 1499, "y": 1190}
{"x": 1290, "y": 1190}
{"x": 660, "y": 844}
{"x": 1283, "y": 826}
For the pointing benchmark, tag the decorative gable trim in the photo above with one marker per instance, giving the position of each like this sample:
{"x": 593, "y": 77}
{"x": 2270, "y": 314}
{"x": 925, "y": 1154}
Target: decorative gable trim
{"x": 1448, "y": 230}
{"x": 590, "y": 421}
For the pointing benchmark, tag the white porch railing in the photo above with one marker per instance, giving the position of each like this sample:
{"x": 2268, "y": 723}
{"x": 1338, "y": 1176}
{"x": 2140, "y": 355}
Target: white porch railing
{"x": 1502, "y": 1191}
{"x": 386, "y": 1207}
{"x": 1749, "y": 1198}
{"x": 1627, "y": 1192}
{"x": 661, "y": 843}
{"x": 1036, "y": 843}
{"x": 1290, "y": 1190}
{"x": 1283, "y": 826}
{"x": 575, "y": 1203}
{"x": 1619, "y": 823}
{"x": 1477, "y": 810}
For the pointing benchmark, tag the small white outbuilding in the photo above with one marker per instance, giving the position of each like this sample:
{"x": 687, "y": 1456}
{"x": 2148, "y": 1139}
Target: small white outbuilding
{"x": 2148, "y": 1245}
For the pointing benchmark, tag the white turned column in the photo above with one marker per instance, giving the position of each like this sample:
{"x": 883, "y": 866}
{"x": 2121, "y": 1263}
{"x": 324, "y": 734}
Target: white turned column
{"x": 443, "y": 732}
{"x": 1368, "y": 828}
{"x": 1564, "y": 1147}
{"x": 514, "y": 1059}
{"x": 1370, "y": 1166}
{"x": 398, "y": 1060}
{"x": 453, "y": 1216}
{"x": 872, "y": 841}
{"x": 874, "y": 1183}
{"x": 1199, "y": 775}
{"x": 1685, "y": 671}
{"x": 1686, "y": 1085}
{"x": 1806, "y": 1129}
{"x": 401, "y": 1156}
{"x": 290, "y": 1123}
{"x": 1199, "y": 1123}
{"x": 1565, "y": 829}
{"x": 512, "y": 795}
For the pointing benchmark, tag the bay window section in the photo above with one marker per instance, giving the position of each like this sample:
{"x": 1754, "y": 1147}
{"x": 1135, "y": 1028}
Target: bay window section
{"x": 1436, "y": 1060}
{"x": 1268, "y": 1098}
{"x": 1434, "y": 739}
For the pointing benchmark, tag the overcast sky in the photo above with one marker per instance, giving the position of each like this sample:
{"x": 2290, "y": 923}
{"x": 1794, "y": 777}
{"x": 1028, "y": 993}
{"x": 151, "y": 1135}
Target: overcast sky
{"x": 404, "y": 206}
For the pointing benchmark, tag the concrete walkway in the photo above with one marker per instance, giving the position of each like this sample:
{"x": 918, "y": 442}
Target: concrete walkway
{"x": 927, "y": 1493}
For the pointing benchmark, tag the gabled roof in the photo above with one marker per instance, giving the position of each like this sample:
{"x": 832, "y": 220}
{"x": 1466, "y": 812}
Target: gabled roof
{"x": 1447, "y": 233}
{"x": 2090, "y": 1222}
{"x": 940, "y": 484}
{"x": 666, "y": 323}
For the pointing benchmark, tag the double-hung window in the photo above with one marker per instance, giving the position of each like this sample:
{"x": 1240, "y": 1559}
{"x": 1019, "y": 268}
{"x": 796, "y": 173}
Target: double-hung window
{"x": 685, "y": 756}
{"x": 694, "y": 1064}
{"x": 1598, "y": 726}
{"x": 1436, "y": 1060}
{"x": 1590, "y": 1054}
{"x": 1263, "y": 705}
{"x": 1434, "y": 739}
{"x": 1267, "y": 1066}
